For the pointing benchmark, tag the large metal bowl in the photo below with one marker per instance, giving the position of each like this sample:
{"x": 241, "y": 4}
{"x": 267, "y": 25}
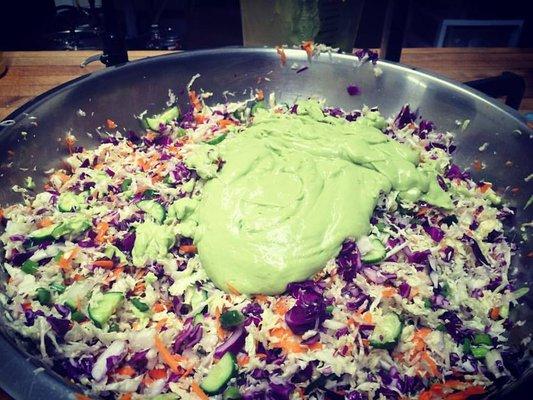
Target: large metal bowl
{"x": 120, "y": 92}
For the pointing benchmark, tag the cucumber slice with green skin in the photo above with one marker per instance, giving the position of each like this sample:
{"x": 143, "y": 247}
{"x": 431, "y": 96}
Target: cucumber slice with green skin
{"x": 231, "y": 319}
{"x": 377, "y": 253}
{"x": 482, "y": 338}
{"x": 479, "y": 351}
{"x": 217, "y": 140}
{"x": 139, "y": 305}
{"x": 44, "y": 296}
{"x": 77, "y": 316}
{"x": 198, "y": 318}
{"x": 387, "y": 332}
{"x": 57, "y": 287}
{"x": 164, "y": 118}
{"x": 40, "y": 235}
{"x": 231, "y": 393}
{"x": 105, "y": 308}
{"x": 257, "y": 106}
{"x": 220, "y": 374}
{"x": 69, "y": 201}
{"x": 29, "y": 267}
{"x": 153, "y": 209}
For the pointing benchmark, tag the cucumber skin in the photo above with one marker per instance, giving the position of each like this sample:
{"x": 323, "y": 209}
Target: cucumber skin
{"x": 108, "y": 297}
{"x": 211, "y": 389}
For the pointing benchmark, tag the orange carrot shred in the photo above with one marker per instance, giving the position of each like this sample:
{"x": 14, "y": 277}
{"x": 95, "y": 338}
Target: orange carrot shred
{"x": 80, "y": 396}
{"x": 110, "y": 124}
{"x": 494, "y": 313}
{"x": 126, "y": 370}
{"x": 125, "y": 396}
{"x": 104, "y": 263}
{"x": 197, "y": 390}
{"x": 188, "y": 249}
{"x": 232, "y": 289}
{"x": 282, "y": 55}
{"x": 165, "y": 355}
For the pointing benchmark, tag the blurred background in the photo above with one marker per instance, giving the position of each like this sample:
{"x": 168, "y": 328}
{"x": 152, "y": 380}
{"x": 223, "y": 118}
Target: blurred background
{"x": 194, "y": 24}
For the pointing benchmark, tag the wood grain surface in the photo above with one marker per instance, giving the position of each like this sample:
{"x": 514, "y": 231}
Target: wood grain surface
{"x": 34, "y": 72}
{"x": 31, "y": 73}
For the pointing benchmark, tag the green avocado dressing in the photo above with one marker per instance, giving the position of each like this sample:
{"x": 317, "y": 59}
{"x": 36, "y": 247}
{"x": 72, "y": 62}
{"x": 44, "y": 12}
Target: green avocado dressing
{"x": 292, "y": 189}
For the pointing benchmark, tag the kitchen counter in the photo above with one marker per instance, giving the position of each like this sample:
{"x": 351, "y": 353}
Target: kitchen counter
{"x": 31, "y": 73}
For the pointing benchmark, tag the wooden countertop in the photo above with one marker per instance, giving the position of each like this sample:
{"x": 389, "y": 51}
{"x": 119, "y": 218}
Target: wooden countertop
{"x": 31, "y": 73}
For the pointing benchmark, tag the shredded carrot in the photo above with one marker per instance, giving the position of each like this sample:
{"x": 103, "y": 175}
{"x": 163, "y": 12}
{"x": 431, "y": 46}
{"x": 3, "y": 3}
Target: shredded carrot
{"x": 281, "y": 307}
{"x": 308, "y": 47}
{"x": 110, "y": 124}
{"x": 197, "y": 390}
{"x": 494, "y": 313}
{"x": 199, "y": 119}
{"x": 80, "y": 396}
{"x": 147, "y": 381}
{"x": 139, "y": 288}
{"x": 65, "y": 262}
{"x": 260, "y": 95}
{"x": 224, "y": 123}
{"x": 430, "y": 363}
{"x": 282, "y": 55}
{"x": 62, "y": 176}
{"x": 104, "y": 263}
{"x": 288, "y": 342}
{"x": 46, "y": 221}
{"x": 158, "y": 373}
{"x": 316, "y": 346}
{"x": 165, "y": 355}
{"x": 101, "y": 230}
{"x": 1, "y": 213}
{"x": 150, "y": 136}
{"x": 243, "y": 360}
{"x": 465, "y": 394}
{"x": 70, "y": 141}
{"x": 125, "y": 396}
{"x": 194, "y": 100}
{"x": 126, "y": 370}
{"x": 158, "y": 307}
{"x": 188, "y": 249}
{"x": 486, "y": 186}
{"x": 388, "y": 292}
{"x": 367, "y": 317}
{"x": 422, "y": 211}
{"x": 261, "y": 298}
{"x": 160, "y": 324}
{"x": 477, "y": 165}
{"x": 232, "y": 289}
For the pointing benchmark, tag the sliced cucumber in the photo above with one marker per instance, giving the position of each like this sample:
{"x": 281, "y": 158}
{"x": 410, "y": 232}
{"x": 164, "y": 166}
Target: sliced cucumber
{"x": 220, "y": 374}
{"x": 377, "y": 253}
{"x": 198, "y": 318}
{"x": 139, "y": 305}
{"x": 387, "y": 331}
{"x": 166, "y": 396}
{"x": 40, "y": 235}
{"x": 231, "y": 319}
{"x": 74, "y": 226}
{"x": 217, "y": 140}
{"x": 164, "y": 118}
{"x": 69, "y": 201}
{"x": 44, "y": 296}
{"x": 231, "y": 393}
{"x": 153, "y": 209}
{"x": 105, "y": 308}
{"x": 29, "y": 267}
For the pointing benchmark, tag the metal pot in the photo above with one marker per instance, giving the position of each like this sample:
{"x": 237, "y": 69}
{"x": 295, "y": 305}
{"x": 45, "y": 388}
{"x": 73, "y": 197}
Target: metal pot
{"x": 33, "y": 139}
